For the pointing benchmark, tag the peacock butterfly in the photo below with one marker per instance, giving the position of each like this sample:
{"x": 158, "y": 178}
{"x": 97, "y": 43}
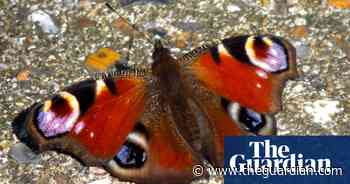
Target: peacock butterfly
{"x": 155, "y": 125}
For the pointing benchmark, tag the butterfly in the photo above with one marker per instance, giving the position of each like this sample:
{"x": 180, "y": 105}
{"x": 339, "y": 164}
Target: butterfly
{"x": 155, "y": 125}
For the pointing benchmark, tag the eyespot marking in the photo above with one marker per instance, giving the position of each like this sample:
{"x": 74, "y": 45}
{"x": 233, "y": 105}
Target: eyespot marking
{"x": 58, "y": 115}
{"x": 249, "y": 120}
{"x": 133, "y": 153}
{"x": 266, "y": 54}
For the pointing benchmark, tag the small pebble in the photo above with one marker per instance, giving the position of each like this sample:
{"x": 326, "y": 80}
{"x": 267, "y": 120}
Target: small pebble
{"x": 233, "y": 8}
{"x": 22, "y": 154}
{"x": 3, "y": 66}
{"x": 44, "y": 20}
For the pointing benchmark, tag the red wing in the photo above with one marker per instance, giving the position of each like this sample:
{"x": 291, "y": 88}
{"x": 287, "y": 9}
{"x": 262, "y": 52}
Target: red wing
{"x": 236, "y": 85}
{"x": 248, "y": 70}
{"x": 220, "y": 125}
{"x": 112, "y": 123}
{"x": 167, "y": 157}
{"x": 89, "y": 120}
{"x": 106, "y": 124}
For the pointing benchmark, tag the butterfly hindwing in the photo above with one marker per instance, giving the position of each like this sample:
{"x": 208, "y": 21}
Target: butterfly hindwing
{"x": 89, "y": 120}
{"x": 168, "y": 158}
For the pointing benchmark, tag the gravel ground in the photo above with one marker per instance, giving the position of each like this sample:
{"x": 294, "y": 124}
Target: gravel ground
{"x": 43, "y": 45}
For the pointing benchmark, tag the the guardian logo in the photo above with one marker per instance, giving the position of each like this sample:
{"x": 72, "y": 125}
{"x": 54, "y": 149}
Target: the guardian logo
{"x": 286, "y": 159}
{"x": 267, "y": 155}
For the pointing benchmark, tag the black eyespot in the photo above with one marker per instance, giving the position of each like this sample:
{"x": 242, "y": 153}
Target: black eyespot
{"x": 248, "y": 119}
{"x": 252, "y": 120}
{"x": 131, "y": 155}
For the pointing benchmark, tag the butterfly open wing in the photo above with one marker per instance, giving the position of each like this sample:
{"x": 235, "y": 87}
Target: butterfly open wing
{"x": 112, "y": 123}
{"x": 89, "y": 120}
{"x": 238, "y": 85}
{"x": 250, "y": 70}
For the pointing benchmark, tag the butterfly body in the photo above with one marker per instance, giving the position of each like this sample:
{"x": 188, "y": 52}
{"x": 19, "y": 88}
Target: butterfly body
{"x": 154, "y": 126}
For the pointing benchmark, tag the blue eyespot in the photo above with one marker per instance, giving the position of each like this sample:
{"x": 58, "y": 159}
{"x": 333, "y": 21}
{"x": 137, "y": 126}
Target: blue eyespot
{"x": 249, "y": 120}
{"x": 131, "y": 156}
{"x": 253, "y": 120}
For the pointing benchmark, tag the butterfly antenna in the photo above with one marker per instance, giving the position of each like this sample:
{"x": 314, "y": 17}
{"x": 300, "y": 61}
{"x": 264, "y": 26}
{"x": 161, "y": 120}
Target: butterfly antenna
{"x": 133, "y": 26}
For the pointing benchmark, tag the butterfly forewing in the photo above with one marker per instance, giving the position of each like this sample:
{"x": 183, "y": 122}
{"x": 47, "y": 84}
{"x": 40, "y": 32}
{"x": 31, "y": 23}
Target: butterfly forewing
{"x": 250, "y": 70}
{"x": 90, "y": 119}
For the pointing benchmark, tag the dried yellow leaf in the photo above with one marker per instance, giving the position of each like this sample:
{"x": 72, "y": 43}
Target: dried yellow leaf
{"x": 23, "y": 75}
{"x": 102, "y": 59}
{"x": 339, "y": 3}
{"x": 300, "y": 31}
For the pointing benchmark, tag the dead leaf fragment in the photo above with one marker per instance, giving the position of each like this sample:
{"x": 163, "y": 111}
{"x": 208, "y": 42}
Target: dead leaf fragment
{"x": 28, "y": 40}
{"x": 102, "y": 59}
{"x": 339, "y": 3}
{"x": 23, "y": 75}
{"x": 86, "y": 22}
{"x": 122, "y": 25}
{"x": 300, "y": 31}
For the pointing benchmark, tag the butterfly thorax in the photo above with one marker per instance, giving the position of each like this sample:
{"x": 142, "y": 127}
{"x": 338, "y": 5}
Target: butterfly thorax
{"x": 166, "y": 70}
